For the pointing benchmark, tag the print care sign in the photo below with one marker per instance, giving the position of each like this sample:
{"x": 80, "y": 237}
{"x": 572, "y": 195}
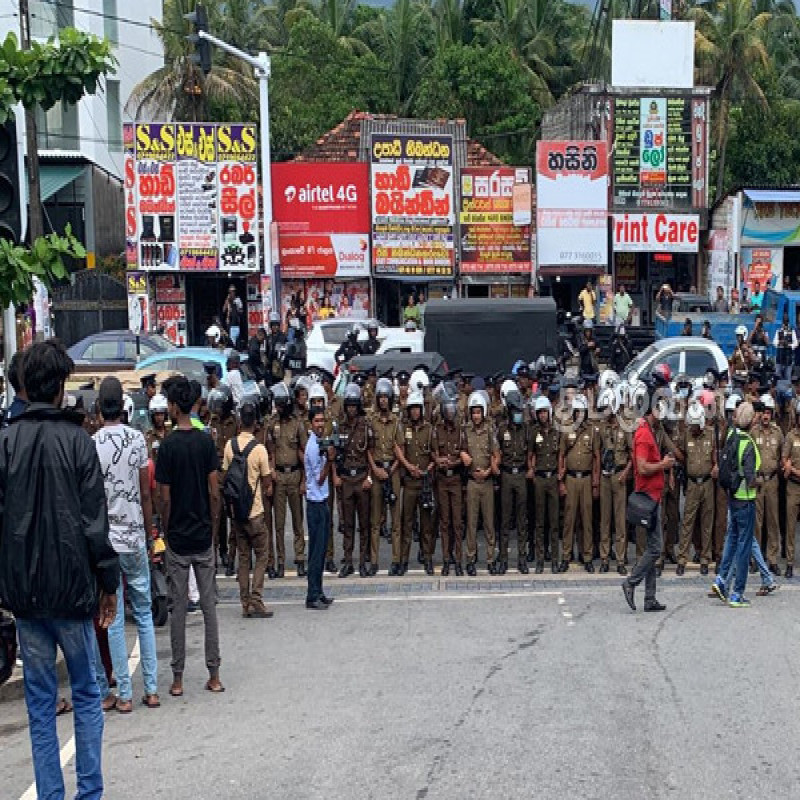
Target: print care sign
{"x": 667, "y": 233}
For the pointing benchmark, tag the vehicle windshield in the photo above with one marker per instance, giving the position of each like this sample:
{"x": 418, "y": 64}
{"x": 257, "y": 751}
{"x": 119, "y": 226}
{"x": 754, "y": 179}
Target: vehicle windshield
{"x": 635, "y": 366}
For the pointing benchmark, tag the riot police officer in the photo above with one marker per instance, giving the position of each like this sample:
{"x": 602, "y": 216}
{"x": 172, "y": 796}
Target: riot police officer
{"x": 620, "y": 350}
{"x": 587, "y": 350}
{"x": 769, "y": 440}
{"x": 350, "y": 347}
{"x": 385, "y": 435}
{"x": 544, "y": 464}
{"x": 416, "y": 455}
{"x": 791, "y": 471}
{"x": 372, "y": 345}
{"x": 275, "y": 349}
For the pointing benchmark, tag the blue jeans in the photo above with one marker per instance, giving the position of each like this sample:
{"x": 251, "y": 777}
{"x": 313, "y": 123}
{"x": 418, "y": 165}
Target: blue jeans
{"x": 319, "y": 523}
{"x": 38, "y": 640}
{"x": 234, "y": 334}
{"x": 763, "y": 569}
{"x": 136, "y": 569}
{"x": 738, "y": 542}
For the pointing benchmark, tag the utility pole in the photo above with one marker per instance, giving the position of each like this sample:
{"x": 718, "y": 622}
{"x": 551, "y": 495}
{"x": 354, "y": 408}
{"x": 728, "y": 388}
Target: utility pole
{"x": 35, "y": 224}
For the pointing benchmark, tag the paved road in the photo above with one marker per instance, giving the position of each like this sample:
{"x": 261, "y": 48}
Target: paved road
{"x": 546, "y": 688}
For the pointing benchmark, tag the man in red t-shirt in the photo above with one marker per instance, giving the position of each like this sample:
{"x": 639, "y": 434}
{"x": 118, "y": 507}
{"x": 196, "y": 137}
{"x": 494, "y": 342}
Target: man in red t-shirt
{"x": 648, "y": 474}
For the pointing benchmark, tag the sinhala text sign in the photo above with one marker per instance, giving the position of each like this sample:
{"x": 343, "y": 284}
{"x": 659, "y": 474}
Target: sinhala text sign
{"x": 412, "y": 204}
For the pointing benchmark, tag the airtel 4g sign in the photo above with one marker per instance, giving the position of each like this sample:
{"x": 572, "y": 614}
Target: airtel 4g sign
{"x": 668, "y": 233}
{"x": 321, "y": 197}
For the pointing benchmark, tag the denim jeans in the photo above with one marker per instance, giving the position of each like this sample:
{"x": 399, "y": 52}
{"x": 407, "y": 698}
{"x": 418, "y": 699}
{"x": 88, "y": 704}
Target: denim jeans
{"x": 738, "y": 542}
{"x": 645, "y": 568}
{"x": 38, "y": 640}
{"x": 319, "y": 522}
{"x": 136, "y": 569}
{"x": 234, "y": 333}
{"x": 763, "y": 569}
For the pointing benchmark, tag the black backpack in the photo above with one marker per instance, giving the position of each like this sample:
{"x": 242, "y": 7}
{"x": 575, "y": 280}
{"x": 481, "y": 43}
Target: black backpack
{"x": 236, "y": 491}
{"x": 729, "y": 473}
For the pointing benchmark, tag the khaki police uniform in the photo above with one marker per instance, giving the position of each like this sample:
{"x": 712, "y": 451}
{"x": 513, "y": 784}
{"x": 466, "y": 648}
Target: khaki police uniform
{"x": 545, "y": 449}
{"x": 791, "y": 451}
{"x": 720, "y": 499}
{"x": 287, "y": 439}
{"x": 222, "y": 431}
{"x": 353, "y": 470}
{"x": 614, "y": 488}
{"x": 699, "y": 503}
{"x": 515, "y": 445}
{"x": 580, "y": 449}
{"x": 385, "y": 433}
{"x": 481, "y": 444}
{"x": 497, "y": 413}
{"x": 447, "y": 442}
{"x": 417, "y": 440}
{"x": 769, "y": 441}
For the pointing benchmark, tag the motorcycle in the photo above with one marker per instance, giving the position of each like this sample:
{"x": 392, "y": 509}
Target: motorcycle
{"x": 158, "y": 577}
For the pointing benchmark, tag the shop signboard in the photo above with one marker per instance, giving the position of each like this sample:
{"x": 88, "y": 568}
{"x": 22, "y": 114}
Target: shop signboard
{"x": 666, "y": 233}
{"x": 572, "y": 204}
{"x": 763, "y": 265}
{"x": 413, "y": 204}
{"x": 170, "y": 297}
{"x": 660, "y": 152}
{"x": 336, "y": 255}
{"x": 191, "y": 200}
{"x": 491, "y": 240}
{"x": 321, "y": 198}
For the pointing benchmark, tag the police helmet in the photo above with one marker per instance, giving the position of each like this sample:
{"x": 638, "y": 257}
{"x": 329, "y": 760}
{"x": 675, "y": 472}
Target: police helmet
{"x": 251, "y": 400}
{"x": 384, "y": 388}
{"x": 303, "y": 382}
{"x": 419, "y": 380}
{"x": 220, "y": 400}
{"x": 352, "y": 396}
{"x": 661, "y": 375}
{"x": 514, "y": 401}
{"x": 478, "y": 400}
{"x": 543, "y": 404}
{"x": 158, "y": 404}
{"x": 588, "y": 325}
{"x": 607, "y": 380}
{"x": 518, "y": 365}
{"x": 741, "y": 330}
{"x": 213, "y": 332}
{"x": 768, "y": 401}
{"x": 281, "y": 398}
{"x": 128, "y": 407}
{"x": 580, "y": 403}
{"x": 410, "y": 326}
{"x": 355, "y": 329}
{"x": 608, "y": 398}
{"x": 732, "y": 401}
{"x": 696, "y": 415}
{"x": 506, "y": 387}
{"x": 265, "y": 400}
{"x": 372, "y": 325}
{"x": 415, "y": 398}
{"x": 448, "y": 407}
{"x": 317, "y": 396}
{"x": 274, "y": 319}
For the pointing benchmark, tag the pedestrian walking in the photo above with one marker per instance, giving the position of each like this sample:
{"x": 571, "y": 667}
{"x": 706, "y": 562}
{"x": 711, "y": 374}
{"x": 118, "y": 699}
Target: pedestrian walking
{"x": 648, "y": 477}
{"x": 741, "y": 508}
{"x": 57, "y": 566}
{"x": 318, "y": 465}
{"x": 187, "y": 477}
{"x": 126, "y": 475}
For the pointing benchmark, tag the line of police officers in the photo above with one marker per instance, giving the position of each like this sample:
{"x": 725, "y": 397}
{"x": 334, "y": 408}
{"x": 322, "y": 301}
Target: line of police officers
{"x": 452, "y": 456}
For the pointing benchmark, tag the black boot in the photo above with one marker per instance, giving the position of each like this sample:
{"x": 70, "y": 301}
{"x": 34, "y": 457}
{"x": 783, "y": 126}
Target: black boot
{"x": 429, "y": 567}
{"x": 301, "y": 569}
{"x": 230, "y": 568}
{"x": 789, "y": 571}
{"x": 523, "y": 567}
{"x": 502, "y": 568}
{"x": 330, "y": 566}
{"x": 404, "y": 567}
{"x": 459, "y": 570}
{"x": 271, "y": 573}
{"x": 471, "y": 571}
{"x": 281, "y": 571}
{"x": 394, "y": 570}
{"x": 492, "y": 568}
{"x": 445, "y": 569}
{"x": 347, "y": 569}
{"x": 420, "y": 557}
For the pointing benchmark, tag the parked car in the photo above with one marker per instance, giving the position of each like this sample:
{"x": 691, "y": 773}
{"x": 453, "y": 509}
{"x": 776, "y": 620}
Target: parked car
{"x": 189, "y": 362}
{"x": 692, "y": 356}
{"x": 109, "y": 350}
{"x": 325, "y": 336}
{"x": 434, "y": 363}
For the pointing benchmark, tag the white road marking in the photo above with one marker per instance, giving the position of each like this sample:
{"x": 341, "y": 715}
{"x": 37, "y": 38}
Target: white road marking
{"x": 68, "y": 750}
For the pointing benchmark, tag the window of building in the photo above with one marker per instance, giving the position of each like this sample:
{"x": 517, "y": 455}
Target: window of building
{"x": 58, "y": 128}
{"x": 113, "y": 115}
{"x": 48, "y": 17}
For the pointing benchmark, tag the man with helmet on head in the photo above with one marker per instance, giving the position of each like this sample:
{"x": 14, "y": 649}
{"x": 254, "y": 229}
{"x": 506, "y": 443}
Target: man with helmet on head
{"x": 223, "y": 428}
{"x": 587, "y": 350}
{"x": 769, "y": 441}
{"x": 742, "y": 357}
{"x": 350, "y": 347}
{"x": 696, "y": 444}
{"x": 275, "y": 349}
{"x": 620, "y": 350}
{"x": 158, "y": 431}
{"x": 385, "y": 435}
{"x": 523, "y": 374}
{"x": 448, "y": 442}
{"x": 420, "y": 382}
{"x": 544, "y": 465}
{"x": 616, "y": 446}
{"x": 791, "y": 471}
{"x": 251, "y": 534}
{"x": 354, "y": 481}
{"x": 286, "y": 437}
{"x": 255, "y": 353}
{"x": 514, "y": 438}
{"x": 579, "y": 476}
{"x": 301, "y": 388}
{"x": 480, "y": 457}
{"x": 415, "y": 454}
{"x": 373, "y": 344}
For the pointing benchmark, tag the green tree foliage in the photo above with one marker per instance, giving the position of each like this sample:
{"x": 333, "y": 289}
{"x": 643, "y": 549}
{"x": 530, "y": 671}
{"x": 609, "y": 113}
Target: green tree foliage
{"x": 485, "y": 86}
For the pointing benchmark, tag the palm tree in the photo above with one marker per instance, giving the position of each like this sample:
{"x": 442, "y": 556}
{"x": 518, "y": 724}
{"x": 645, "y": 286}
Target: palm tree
{"x": 450, "y": 23}
{"x": 730, "y": 40}
{"x": 179, "y": 89}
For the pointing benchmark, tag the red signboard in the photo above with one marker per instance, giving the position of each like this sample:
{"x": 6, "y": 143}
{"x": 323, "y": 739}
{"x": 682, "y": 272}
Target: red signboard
{"x": 321, "y": 198}
{"x": 314, "y": 255}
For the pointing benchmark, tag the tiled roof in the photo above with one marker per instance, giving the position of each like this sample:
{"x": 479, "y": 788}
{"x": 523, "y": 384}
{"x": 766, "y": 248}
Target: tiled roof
{"x": 343, "y": 142}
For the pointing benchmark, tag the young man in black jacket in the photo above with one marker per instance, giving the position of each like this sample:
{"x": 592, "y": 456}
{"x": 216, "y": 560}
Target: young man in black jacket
{"x": 57, "y": 565}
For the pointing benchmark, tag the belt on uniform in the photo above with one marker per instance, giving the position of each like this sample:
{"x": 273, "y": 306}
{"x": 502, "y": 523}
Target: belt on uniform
{"x": 701, "y": 479}
{"x": 447, "y": 473}
{"x": 513, "y": 470}
{"x": 767, "y": 477}
{"x": 614, "y": 471}
{"x": 353, "y": 473}
{"x": 578, "y": 473}
{"x": 545, "y": 473}
{"x": 287, "y": 470}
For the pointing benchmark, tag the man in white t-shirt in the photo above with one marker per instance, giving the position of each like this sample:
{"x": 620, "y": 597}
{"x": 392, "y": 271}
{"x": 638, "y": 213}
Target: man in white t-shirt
{"x": 234, "y": 378}
{"x": 123, "y": 459}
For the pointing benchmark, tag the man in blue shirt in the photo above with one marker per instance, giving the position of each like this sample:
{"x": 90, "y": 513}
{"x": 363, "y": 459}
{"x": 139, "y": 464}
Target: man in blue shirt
{"x": 756, "y": 297}
{"x": 317, "y": 470}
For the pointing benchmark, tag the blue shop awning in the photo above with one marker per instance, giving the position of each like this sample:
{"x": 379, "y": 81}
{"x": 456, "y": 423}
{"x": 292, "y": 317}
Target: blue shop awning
{"x": 773, "y": 195}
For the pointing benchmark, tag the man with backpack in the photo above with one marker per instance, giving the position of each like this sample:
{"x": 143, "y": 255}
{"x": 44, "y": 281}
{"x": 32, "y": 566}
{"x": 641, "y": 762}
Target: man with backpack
{"x": 739, "y": 465}
{"x": 246, "y": 470}
{"x": 186, "y": 474}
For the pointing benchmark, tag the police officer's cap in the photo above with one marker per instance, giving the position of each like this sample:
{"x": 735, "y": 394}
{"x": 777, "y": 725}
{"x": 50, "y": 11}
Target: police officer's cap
{"x": 148, "y": 380}
{"x": 403, "y": 377}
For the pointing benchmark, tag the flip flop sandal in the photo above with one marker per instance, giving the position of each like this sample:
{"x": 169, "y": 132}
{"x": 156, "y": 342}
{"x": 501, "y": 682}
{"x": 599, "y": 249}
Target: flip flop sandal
{"x": 63, "y": 707}
{"x": 176, "y": 692}
{"x": 124, "y": 706}
{"x": 215, "y": 690}
{"x": 151, "y": 701}
{"x": 763, "y": 591}
{"x": 110, "y": 703}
